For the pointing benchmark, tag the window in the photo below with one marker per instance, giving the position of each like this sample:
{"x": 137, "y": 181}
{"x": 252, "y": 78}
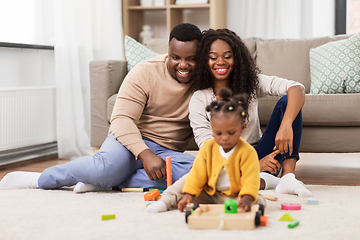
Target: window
{"x": 353, "y": 16}
{"x": 347, "y": 16}
{"x": 21, "y": 21}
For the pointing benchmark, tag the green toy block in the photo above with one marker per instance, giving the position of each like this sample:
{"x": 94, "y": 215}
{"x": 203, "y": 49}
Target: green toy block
{"x": 287, "y": 217}
{"x": 108, "y": 217}
{"x": 230, "y": 206}
{"x": 293, "y": 224}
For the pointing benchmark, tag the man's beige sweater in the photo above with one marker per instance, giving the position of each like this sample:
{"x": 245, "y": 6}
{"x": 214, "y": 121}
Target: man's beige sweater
{"x": 152, "y": 104}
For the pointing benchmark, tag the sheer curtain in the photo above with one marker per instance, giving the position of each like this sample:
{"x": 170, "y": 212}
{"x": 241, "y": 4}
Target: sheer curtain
{"x": 83, "y": 30}
{"x": 281, "y": 18}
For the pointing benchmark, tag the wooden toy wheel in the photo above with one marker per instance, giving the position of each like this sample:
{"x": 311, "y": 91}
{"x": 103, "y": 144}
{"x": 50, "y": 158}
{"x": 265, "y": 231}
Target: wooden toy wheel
{"x": 187, "y": 214}
{"x": 262, "y": 209}
{"x": 257, "y": 218}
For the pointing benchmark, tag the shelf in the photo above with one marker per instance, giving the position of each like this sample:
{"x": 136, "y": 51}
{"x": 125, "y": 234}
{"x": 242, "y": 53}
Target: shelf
{"x": 205, "y": 5}
{"x": 140, "y": 8}
{"x": 166, "y": 17}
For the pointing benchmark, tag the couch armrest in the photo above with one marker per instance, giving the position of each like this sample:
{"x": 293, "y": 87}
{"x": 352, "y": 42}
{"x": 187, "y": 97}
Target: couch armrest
{"x": 106, "y": 77}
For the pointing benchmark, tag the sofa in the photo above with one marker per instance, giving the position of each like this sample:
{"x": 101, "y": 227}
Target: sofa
{"x": 331, "y": 122}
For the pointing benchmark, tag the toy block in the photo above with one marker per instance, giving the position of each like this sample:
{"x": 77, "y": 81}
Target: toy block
{"x": 270, "y": 197}
{"x": 168, "y": 172}
{"x": 287, "y": 217}
{"x": 230, "y": 206}
{"x": 312, "y": 201}
{"x": 108, "y": 217}
{"x": 152, "y": 195}
{"x": 264, "y": 220}
{"x": 290, "y": 206}
{"x": 293, "y": 224}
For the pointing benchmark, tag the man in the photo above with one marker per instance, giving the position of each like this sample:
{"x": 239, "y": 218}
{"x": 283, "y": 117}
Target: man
{"x": 149, "y": 122}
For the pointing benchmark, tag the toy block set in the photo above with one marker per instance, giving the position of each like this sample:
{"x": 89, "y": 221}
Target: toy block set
{"x": 225, "y": 216}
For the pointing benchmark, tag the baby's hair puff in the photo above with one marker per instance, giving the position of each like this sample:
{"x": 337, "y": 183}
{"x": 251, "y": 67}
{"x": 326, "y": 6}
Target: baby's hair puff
{"x": 229, "y": 104}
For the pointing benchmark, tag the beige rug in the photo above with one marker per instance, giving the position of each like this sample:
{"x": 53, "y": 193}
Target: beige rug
{"x": 62, "y": 214}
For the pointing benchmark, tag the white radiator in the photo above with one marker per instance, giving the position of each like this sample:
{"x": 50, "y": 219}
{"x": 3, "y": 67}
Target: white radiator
{"x": 27, "y": 116}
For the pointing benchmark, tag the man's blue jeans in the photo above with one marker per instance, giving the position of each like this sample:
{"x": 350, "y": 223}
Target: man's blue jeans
{"x": 267, "y": 142}
{"x": 114, "y": 165}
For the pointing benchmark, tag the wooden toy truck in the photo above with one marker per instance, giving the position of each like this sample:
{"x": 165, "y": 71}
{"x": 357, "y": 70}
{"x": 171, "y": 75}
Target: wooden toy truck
{"x": 211, "y": 216}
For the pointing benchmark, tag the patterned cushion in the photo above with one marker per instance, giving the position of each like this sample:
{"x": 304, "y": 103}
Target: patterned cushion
{"x": 335, "y": 67}
{"x": 135, "y": 52}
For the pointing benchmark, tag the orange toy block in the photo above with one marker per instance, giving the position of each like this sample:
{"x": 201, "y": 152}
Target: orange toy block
{"x": 168, "y": 171}
{"x": 152, "y": 195}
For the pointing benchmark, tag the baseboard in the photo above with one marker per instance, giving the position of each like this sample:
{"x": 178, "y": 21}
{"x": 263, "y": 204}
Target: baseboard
{"x": 20, "y": 155}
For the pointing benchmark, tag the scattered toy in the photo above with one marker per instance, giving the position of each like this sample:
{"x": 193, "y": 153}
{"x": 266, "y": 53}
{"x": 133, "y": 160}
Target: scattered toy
{"x": 312, "y": 201}
{"x": 134, "y": 189}
{"x": 293, "y": 224}
{"x": 152, "y": 195}
{"x": 269, "y": 197}
{"x": 290, "y": 206}
{"x": 168, "y": 172}
{"x": 230, "y": 206}
{"x": 287, "y": 217}
{"x": 160, "y": 189}
{"x": 108, "y": 217}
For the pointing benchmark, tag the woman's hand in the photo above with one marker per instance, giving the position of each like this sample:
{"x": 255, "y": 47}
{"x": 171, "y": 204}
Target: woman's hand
{"x": 269, "y": 163}
{"x": 154, "y": 166}
{"x": 284, "y": 138}
{"x": 185, "y": 200}
{"x": 245, "y": 202}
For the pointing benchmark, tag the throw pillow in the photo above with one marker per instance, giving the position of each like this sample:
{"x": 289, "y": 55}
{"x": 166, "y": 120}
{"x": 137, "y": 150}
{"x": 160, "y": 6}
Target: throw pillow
{"x": 335, "y": 67}
{"x": 135, "y": 52}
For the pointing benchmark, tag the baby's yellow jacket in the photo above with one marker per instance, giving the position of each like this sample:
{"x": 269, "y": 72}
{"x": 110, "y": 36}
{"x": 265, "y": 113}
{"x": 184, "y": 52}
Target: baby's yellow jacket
{"x": 242, "y": 168}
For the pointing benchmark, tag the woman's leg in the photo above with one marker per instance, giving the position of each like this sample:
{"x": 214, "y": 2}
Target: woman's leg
{"x": 109, "y": 167}
{"x": 288, "y": 183}
{"x": 267, "y": 141}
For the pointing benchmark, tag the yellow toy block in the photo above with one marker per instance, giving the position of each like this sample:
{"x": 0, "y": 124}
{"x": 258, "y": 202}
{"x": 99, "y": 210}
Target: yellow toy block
{"x": 287, "y": 217}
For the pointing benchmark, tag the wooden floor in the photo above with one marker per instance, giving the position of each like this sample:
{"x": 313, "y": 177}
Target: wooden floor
{"x": 318, "y": 168}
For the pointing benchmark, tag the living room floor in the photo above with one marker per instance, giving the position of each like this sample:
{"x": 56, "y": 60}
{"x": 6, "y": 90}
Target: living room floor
{"x": 313, "y": 168}
{"x": 329, "y": 168}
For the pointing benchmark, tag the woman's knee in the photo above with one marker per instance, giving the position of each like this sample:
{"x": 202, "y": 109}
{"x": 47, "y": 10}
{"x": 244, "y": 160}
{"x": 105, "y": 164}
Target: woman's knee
{"x": 282, "y": 101}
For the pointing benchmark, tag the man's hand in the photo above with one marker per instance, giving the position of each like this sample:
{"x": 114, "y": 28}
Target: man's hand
{"x": 185, "y": 200}
{"x": 154, "y": 166}
{"x": 269, "y": 163}
{"x": 245, "y": 202}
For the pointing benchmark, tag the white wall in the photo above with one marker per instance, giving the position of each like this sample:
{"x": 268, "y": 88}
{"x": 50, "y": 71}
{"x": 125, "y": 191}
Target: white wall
{"x": 26, "y": 67}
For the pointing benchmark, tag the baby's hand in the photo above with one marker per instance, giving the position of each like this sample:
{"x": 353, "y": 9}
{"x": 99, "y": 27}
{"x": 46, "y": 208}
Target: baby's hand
{"x": 185, "y": 200}
{"x": 245, "y": 203}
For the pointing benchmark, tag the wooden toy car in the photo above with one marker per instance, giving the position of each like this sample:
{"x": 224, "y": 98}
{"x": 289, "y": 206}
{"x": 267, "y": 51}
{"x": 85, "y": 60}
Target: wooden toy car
{"x": 210, "y": 216}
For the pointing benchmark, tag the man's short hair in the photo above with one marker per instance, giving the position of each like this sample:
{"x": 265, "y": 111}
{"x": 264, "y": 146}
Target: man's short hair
{"x": 185, "y": 32}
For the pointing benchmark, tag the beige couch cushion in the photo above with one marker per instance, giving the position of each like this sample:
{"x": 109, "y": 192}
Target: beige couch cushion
{"x": 157, "y": 45}
{"x": 110, "y": 106}
{"x": 250, "y": 43}
{"x": 289, "y": 58}
{"x": 319, "y": 109}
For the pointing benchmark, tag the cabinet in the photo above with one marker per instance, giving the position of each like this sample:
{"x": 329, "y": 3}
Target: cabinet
{"x": 172, "y": 14}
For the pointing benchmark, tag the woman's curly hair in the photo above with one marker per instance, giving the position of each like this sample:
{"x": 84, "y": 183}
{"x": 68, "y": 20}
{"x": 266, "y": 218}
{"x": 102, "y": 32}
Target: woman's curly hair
{"x": 244, "y": 77}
